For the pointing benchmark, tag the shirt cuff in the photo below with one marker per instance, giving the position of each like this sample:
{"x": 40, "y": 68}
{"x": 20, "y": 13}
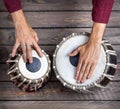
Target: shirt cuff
{"x": 102, "y": 10}
{"x": 12, "y": 5}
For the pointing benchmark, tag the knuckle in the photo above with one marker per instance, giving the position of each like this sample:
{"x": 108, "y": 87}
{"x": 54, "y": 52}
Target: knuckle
{"x": 30, "y": 57}
{"x": 82, "y": 71}
{"x": 78, "y": 49}
{"x": 37, "y": 39}
{"x": 90, "y": 73}
{"x": 78, "y": 67}
{"x": 90, "y": 61}
{"x": 84, "y": 61}
{"x": 77, "y": 73}
{"x": 35, "y": 33}
{"x": 95, "y": 62}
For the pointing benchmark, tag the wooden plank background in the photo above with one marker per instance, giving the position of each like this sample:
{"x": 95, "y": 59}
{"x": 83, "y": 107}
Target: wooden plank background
{"x": 53, "y": 20}
{"x": 60, "y": 104}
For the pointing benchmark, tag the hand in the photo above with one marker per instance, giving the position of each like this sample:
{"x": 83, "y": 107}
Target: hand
{"x": 26, "y": 37}
{"x": 89, "y": 55}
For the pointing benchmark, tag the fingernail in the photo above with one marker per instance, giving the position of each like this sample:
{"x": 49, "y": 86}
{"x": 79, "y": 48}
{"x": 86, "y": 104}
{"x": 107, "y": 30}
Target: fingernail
{"x": 12, "y": 55}
{"x": 83, "y": 81}
{"x": 41, "y": 55}
{"x": 76, "y": 77}
{"x": 31, "y": 61}
{"x": 89, "y": 77}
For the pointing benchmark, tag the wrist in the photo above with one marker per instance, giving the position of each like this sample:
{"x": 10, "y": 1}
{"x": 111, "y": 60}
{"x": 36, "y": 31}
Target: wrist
{"x": 19, "y": 18}
{"x": 95, "y": 42}
{"x": 97, "y": 32}
{"x": 95, "y": 38}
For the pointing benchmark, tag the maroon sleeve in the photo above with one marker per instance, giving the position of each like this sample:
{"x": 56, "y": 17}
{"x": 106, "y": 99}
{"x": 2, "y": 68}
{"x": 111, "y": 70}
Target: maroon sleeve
{"x": 12, "y": 5}
{"x": 101, "y": 10}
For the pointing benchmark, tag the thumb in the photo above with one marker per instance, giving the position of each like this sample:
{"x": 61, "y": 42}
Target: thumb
{"x": 75, "y": 52}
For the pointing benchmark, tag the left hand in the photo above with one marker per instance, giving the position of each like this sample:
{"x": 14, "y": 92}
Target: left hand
{"x": 89, "y": 55}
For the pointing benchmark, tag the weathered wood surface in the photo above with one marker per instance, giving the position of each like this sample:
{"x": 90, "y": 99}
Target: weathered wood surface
{"x": 53, "y": 20}
{"x": 58, "y": 5}
{"x": 56, "y": 91}
{"x": 58, "y": 19}
{"x": 54, "y": 36}
{"x": 60, "y": 104}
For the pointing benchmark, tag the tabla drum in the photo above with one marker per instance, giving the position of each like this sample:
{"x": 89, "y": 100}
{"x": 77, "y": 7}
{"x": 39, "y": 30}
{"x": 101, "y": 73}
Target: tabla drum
{"x": 26, "y": 76}
{"x": 65, "y": 66}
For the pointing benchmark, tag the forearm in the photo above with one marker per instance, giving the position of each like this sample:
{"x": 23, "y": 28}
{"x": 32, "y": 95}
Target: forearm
{"x": 97, "y": 32}
{"x": 19, "y": 18}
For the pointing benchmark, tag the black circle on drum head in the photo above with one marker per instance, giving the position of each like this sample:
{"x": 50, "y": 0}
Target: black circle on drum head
{"x": 74, "y": 60}
{"x": 35, "y": 66}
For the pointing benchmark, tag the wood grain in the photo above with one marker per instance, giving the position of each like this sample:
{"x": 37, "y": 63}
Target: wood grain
{"x": 53, "y": 20}
{"x": 60, "y": 104}
{"x": 58, "y": 19}
{"x": 56, "y": 91}
{"x": 59, "y": 5}
{"x": 54, "y": 36}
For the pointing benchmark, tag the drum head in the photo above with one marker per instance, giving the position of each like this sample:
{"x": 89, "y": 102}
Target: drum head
{"x": 36, "y": 70}
{"x": 66, "y": 69}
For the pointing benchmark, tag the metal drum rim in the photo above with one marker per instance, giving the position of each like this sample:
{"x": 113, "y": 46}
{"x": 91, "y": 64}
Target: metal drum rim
{"x": 80, "y": 88}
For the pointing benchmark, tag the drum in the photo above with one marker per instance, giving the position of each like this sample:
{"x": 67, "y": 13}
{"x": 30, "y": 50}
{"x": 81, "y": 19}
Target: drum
{"x": 26, "y": 76}
{"x": 65, "y": 66}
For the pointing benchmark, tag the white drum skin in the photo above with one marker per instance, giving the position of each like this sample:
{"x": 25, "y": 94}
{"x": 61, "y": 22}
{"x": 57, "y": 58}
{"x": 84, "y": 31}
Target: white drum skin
{"x": 39, "y": 74}
{"x": 65, "y": 71}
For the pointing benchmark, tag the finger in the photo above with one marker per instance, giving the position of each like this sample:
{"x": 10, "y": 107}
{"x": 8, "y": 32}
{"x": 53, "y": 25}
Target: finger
{"x": 15, "y": 49}
{"x": 82, "y": 71}
{"x": 75, "y": 52}
{"x": 36, "y": 37}
{"x": 87, "y": 69}
{"x": 29, "y": 53}
{"x": 23, "y": 46}
{"x": 91, "y": 71}
{"x": 78, "y": 69}
{"x": 38, "y": 49}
